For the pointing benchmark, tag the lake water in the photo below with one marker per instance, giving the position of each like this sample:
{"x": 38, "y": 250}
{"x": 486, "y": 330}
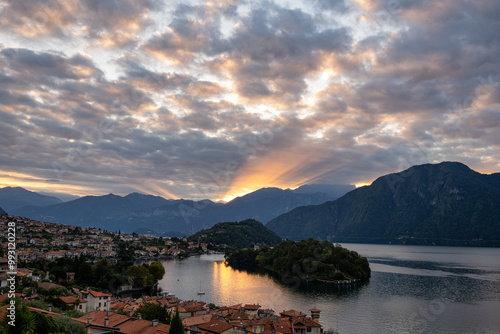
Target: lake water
{"x": 413, "y": 289}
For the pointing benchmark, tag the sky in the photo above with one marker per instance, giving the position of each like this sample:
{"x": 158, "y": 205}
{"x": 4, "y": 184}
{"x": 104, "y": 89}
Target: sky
{"x": 201, "y": 99}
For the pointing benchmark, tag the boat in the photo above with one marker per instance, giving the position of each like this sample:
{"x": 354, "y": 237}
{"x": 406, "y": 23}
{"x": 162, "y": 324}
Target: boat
{"x": 200, "y": 292}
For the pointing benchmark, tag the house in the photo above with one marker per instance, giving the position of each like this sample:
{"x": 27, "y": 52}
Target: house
{"x": 76, "y": 303}
{"x": 96, "y": 301}
{"x": 193, "y": 322}
{"x": 305, "y": 326}
{"x": 251, "y": 309}
{"x": 215, "y": 327}
{"x": 112, "y": 323}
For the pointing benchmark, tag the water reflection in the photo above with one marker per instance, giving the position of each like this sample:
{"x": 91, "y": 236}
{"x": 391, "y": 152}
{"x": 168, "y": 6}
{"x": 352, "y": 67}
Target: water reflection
{"x": 439, "y": 290}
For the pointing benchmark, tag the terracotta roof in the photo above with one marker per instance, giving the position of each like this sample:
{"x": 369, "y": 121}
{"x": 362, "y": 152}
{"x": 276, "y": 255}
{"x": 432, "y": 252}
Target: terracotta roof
{"x": 197, "y": 320}
{"x": 98, "y": 318}
{"x": 96, "y": 293}
{"x": 282, "y": 326}
{"x": 293, "y": 313}
{"x": 215, "y": 326}
{"x": 44, "y": 312}
{"x": 71, "y": 299}
{"x": 311, "y": 323}
{"x": 251, "y": 307}
{"x": 143, "y": 327}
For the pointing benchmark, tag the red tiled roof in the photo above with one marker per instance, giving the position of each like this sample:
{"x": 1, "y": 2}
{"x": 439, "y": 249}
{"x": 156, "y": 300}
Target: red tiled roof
{"x": 293, "y": 313}
{"x": 71, "y": 299}
{"x": 215, "y": 326}
{"x": 143, "y": 327}
{"x": 197, "y": 320}
{"x": 96, "y": 293}
{"x": 98, "y": 318}
{"x": 282, "y": 326}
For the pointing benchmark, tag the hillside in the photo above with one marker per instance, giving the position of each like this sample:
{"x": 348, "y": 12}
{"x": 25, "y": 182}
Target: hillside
{"x": 309, "y": 260}
{"x": 446, "y": 203}
{"x": 2, "y": 212}
{"x": 16, "y": 197}
{"x": 136, "y": 212}
{"x": 237, "y": 234}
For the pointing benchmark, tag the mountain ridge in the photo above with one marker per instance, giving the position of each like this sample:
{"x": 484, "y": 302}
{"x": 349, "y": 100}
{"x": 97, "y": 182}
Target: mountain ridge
{"x": 133, "y": 211}
{"x": 447, "y": 202}
{"x": 17, "y": 197}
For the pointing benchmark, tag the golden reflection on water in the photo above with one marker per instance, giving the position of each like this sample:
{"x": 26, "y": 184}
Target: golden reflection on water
{"x": 228, "y": 282}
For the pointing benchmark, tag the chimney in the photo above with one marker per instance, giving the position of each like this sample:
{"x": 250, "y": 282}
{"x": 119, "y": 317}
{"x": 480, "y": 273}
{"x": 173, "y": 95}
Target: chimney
{"x": 106, "y": 321}
{"x": 49, "y": 308}
{"x": 315, "y": 314}
{"x": 154, "y": 323}
{"x": 89, "y": 320}
{"x": 110, "y": 312}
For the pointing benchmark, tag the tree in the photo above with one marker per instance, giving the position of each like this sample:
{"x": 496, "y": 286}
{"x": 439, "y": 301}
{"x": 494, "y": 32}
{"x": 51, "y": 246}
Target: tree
{"x": 176, "y": 326}
{"x": 139, "y": 276}
{"x": 157, "y": 270}
{"x": 152, "y": 311}
{"x": 71, "y": 326}
{"x": 84, "y": 274}
{"x": 125, "y": 255}
{"x": 30, "y": 322}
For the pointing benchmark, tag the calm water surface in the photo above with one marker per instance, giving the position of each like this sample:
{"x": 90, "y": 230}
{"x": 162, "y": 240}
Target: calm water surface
{"x": 413, "y": 289}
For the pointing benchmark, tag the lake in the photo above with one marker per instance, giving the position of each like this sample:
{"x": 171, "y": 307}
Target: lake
{"x": 413, "y": 289}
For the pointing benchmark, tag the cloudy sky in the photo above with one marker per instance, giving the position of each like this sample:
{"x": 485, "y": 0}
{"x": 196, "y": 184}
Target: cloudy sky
{"x": 200, "y": 99}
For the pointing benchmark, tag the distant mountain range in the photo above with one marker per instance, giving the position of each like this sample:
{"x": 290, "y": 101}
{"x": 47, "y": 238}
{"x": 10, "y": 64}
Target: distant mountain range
{"x": 138, "y": 212}
{"x": 446, "y": 203}
{"x": 16, "y": 197}
{"x": 2, "y": 212}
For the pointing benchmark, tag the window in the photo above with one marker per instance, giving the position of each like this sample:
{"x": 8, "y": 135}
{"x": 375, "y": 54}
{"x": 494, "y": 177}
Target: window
{"x": 309, "y": 329}
{"x": 99, "y": 304}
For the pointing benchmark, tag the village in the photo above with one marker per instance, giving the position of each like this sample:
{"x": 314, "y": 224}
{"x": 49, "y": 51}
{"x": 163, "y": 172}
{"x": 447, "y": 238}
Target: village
{"x": 103, "y": 312}
{"x": 108, "y": 314}
{"x": 50, "y": 241}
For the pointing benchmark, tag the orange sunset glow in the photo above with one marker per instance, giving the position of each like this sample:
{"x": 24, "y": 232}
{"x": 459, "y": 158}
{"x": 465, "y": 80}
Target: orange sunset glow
{"x": 213, "y": 100}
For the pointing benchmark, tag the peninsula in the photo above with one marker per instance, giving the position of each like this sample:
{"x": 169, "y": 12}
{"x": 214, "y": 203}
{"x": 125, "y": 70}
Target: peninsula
{"x": 311, "y": 260}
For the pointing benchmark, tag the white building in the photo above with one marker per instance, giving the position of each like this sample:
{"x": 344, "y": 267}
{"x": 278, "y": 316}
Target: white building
{"x": 96, "y": 301}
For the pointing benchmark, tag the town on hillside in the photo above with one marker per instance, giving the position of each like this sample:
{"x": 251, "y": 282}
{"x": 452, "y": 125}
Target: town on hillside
{"x": 74, "y": 298}
{"x": 104, "y": 313}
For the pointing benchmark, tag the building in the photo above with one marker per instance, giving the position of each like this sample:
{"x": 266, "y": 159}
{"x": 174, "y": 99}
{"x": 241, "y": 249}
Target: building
{"x": 96, "y": 301}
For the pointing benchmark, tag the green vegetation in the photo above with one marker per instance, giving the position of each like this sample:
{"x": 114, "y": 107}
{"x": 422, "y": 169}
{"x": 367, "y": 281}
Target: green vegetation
{"x": 139, "y": 276}
{"x": 307, "y": 260}
{"x": 157, "y": 270}
{"x": 36, "y": 323}
{"x": 176, "y": 326}
{"x": 152, "y": 311}
{"x": 237, "y": 235}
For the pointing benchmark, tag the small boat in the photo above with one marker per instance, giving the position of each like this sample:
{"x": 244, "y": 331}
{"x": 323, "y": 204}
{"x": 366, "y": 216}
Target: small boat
{"x": 200, "y": 292}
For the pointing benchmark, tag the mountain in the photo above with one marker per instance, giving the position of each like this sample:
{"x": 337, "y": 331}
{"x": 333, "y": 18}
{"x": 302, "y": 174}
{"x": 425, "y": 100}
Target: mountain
{"x": 237, "y": 234}
{"x": 267, "y": 203}
{"x": 446, "y": 203}
{"x": 107, "y": 212}
{"x": 2, "y": 212}
{"x": 137, "y": 212}
{"x": 16, "y": 197}
{"x": 333, "y": 190}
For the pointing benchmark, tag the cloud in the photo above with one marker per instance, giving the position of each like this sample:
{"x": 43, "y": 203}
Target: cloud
{"x": 210, "y": 99}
